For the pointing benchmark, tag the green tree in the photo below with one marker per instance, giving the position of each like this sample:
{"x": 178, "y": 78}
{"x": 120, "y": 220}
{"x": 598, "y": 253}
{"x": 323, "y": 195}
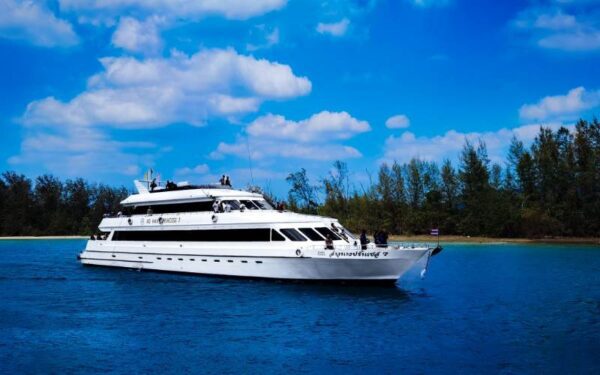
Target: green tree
{"x": 302, "y": 193}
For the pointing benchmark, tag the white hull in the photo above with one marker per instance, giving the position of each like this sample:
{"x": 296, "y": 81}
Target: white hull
{"x": 262, "y": 261}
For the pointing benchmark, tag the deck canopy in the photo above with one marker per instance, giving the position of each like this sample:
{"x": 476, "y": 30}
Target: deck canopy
{"x": 187, "y": 196}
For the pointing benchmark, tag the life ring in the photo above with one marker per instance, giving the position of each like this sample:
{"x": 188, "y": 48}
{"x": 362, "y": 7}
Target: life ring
{"x": 161, "y": 220}
{"x": 299, "y": 252}
{"x": 214, "y": 218}
{"x": 129, "y": 221}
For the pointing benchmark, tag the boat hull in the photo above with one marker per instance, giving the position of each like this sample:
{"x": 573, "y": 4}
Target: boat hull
{"x": 290, "y": 264}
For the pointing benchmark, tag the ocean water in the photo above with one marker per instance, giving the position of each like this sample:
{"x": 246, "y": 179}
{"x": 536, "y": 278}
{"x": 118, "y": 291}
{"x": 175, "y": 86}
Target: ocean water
{"x": 481, "y": 308}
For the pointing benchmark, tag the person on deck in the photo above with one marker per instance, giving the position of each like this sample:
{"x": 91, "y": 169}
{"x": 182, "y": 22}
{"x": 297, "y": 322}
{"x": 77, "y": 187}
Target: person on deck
{"x": 222, "y": 180}
{"x": 227, "y": 181}
{"x": 329, "y": 242}
{"x": 363, "y": 240}
{"x": 383, "y": 238}
{"x": 216, "y": 207}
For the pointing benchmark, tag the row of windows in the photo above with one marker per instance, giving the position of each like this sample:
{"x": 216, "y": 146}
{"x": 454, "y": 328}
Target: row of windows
{"x": 197, "y": 207}
{"x": 203, "y": 260}
{"x": 227, "y": 235}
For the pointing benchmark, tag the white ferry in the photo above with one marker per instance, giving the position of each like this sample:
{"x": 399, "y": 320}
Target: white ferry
{"x": 216, "y": 230}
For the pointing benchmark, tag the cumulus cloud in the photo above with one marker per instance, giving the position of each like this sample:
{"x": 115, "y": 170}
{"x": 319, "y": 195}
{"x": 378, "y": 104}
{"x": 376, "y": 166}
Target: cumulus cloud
{"x": 427, "y": 3}
{"x": 177, "y": 9}
{"x": 77, "y": 151}
{"x": 155, "y": 92}
{"x": 398, "y": 122}
{"x": 138, "y": 37}
{"x": 200, "y": 169}
{"x": 561, "y": 107}
{"x": 560, "y": 26}
{"x": 450, "y": 144}
{"x": 262, "y": 149}
{"x": 269, "y": 39}
{"x": 33, "y": 22}
{"x": 323, "y": 126}
{"x": 312, "y": 139}
{"x": 334, "y": 29}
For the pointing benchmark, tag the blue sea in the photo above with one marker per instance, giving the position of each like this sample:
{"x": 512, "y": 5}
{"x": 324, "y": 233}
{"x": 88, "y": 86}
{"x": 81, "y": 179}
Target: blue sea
{"x": 480, "y": 309}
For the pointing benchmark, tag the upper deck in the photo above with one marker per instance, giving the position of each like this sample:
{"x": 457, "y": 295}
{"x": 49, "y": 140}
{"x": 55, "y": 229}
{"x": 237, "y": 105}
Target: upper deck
{"x": 187, "y": 196}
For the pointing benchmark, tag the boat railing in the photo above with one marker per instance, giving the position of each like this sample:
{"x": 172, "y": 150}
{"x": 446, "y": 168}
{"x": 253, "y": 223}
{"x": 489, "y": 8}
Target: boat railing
{"x": 369, "y": 247}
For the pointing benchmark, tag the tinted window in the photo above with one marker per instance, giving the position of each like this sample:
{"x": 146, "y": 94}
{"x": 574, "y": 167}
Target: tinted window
{"x": 249, "y": 205}
{"x": 292, "y": 234}
{"x": 173, "y": 208}
{"x": 276, "y": 236}
{"x": 264, "y": 205}
{"x": 311, "y": 234}
{"x": 216, "y": 235}
{"x": 326, "y": 231}
{"x": 235, "y": 205}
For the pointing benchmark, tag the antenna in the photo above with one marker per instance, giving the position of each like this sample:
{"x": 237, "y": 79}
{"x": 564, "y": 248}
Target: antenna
{"x": 249, "y": 159}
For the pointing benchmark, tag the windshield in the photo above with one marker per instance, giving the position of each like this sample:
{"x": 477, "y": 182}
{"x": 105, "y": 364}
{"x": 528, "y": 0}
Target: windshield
{"x": 263, "y": 204}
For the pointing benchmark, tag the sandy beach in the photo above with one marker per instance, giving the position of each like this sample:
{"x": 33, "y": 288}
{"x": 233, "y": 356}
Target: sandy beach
{"x": 490, "y": 240}
{"x": 399, "y": 238}
{"x": 44, "y": 238}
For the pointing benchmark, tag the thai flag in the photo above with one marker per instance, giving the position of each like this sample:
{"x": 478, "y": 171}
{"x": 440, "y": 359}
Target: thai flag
{"x": 435, "y": 232}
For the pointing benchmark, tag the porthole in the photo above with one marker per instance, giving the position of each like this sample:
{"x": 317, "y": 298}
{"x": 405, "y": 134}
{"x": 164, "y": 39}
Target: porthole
{"x": 259, "y": 261}
{"x": 230, "y": 261}
{"x": 204, "y": 260}
{"x": 114, "y": 256}
{"x": 244, "y": 261}
{"x": 159, "y": 258}
{"x": 140, "y": 257}
{"x": 217, "y": 260}
{"x": 192, "y": 260}
{"x": 180, "y": 258}
{"x": 169, "y": 258}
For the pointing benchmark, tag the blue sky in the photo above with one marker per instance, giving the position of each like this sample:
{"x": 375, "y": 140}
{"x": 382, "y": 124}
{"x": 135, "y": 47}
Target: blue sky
{"x": 106, "y": 90}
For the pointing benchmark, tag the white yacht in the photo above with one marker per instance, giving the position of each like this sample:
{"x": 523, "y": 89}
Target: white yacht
{"x": 216, "y": 230}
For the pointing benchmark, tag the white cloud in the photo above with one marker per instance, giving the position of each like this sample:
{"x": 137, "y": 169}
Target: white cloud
{"x": 398, "y": 122}
{"x": 335, "y": 29}
{"x": 427, "y": 3}
{"x": 321, "y": 127}
{"x": 140, "y": 37}
{"x": 181, "y": 9}
{"x": 560, "y": 27}
{"x": 33, "y": 22}
{"x": 270, "y": 39}
{"x": 155, "y": 92}
{"x": 200, "y": 169}
{"x": 450, "y": 144}
{"x": 273, "y": 136}
{"x": 82, "y": 151}
{"x": 561, "y": 107}
{"x": 263, "y": 149}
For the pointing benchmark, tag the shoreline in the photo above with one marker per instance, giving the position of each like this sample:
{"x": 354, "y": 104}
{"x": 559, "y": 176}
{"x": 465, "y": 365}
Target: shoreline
{"x": 404, "y": 238}
{"x": 492, "y": 240}
{"x": 44, "y": 237}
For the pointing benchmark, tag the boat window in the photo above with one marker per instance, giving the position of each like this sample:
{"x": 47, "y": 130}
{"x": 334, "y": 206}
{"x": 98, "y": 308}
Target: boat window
{"x": 292, "y": 234}
{"x": 263, "y": 204}
{"x": 249, "y": 205}
{"x": 311, "y": 234}
{"x": 326, "y": 231}
{"x": 276, "y": 236}
{"x": 173, "y": 208}
{"x": 214, "y": 235}
{"x": 235, "y": 205}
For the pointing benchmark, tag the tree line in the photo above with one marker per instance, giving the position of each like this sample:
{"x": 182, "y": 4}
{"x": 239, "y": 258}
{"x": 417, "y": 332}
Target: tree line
{"x": 551, "y": 188}
{"x": 48, "y": 206}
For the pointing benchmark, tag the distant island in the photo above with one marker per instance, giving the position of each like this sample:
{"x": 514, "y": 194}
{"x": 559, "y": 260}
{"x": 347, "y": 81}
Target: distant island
{"x": 549, "y": 189}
